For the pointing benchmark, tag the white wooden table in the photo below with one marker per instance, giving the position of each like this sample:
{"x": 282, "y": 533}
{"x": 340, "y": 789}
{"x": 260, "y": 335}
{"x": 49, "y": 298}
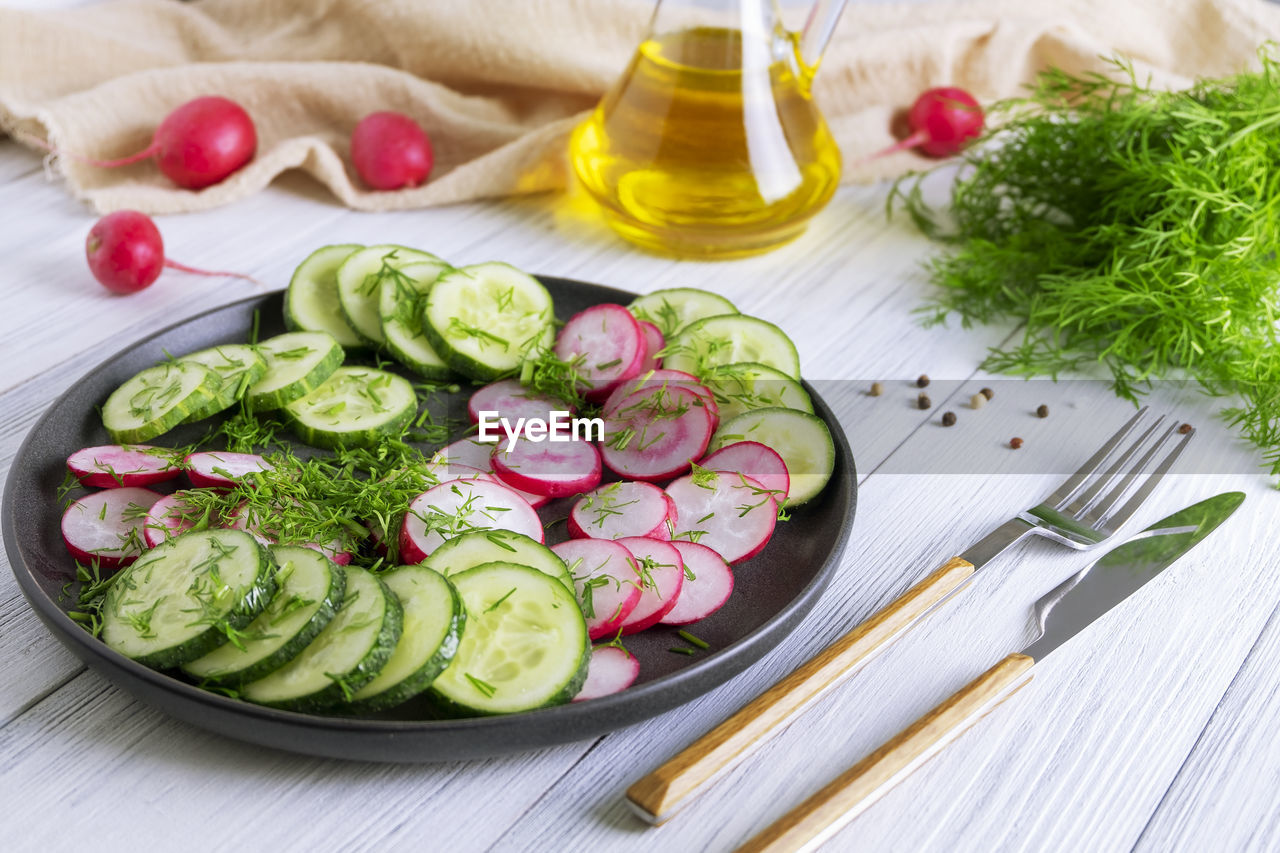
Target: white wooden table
{"x": 1155, "y": 729}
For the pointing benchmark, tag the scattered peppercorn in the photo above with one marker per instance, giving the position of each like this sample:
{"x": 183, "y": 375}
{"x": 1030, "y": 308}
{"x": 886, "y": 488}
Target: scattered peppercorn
{"x": 987, "y": 392}
{"x": 1042, "y": 411}
{"x": 948, "y": 418}
{"x": 1185, "y": 428}
{"x": 876, "y": 389}
{"x": 924, "y": 402}
{"x": 1015, "y": 443}
{"x": 922, "y": 381}
{"x": 977, "y": 401}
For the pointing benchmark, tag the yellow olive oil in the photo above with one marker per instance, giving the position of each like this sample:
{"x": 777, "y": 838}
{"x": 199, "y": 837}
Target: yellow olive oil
{"x": 708, "y": 147}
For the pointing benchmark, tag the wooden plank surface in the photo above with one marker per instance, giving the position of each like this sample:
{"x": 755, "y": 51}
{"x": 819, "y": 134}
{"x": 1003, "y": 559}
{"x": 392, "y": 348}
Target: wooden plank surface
{"x": 1121, "y": 737}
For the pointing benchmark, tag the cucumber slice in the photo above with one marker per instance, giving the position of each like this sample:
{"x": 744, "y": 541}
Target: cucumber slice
{"x": 525, "y": 646}
{"x": 157, "y": 400}
{"x": 238, "y": 366}
{"x": 311, "y": 303}
{"x": 355, "y": 407}
{"x": 400, "y": 302}
{"x": 731, "y": 339}
{"x": 297, "y": 364}
{"x": 739, "y": 388}
{"x": 360, "y": 281}
{"x": 344, "y": 657}
{"x": 309, "y": 592}
{"x": 433, "y": 623}
{"x": 801, "y": 439}
{"x": 484, "y": 319}
{"x": 497, "y": 546}
{"x": 183, "y": 598}
{"x": 674, "y": 308}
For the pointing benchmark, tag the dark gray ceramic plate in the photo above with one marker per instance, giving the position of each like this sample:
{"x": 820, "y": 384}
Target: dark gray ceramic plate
{"x": 774, "y": 590}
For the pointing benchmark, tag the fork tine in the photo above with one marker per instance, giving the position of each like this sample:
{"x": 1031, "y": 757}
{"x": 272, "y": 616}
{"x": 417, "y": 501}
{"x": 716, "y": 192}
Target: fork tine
{"x": 1072, "y": 483}
{"x": 1119, "y": 517}
{"x": 1082, "y": 504}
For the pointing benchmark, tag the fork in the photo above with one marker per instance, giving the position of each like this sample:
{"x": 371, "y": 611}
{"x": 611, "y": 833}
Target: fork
{"x": 1084, "y": 511}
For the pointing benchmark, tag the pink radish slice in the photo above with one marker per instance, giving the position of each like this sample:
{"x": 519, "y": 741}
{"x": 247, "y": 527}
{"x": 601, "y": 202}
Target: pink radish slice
{"x": 653, "y": 344}
{"x": 609, "y": 571}
{"x": 657, "y": 379}
{"x": 655, "y": 433}
{"x": 729, "y": 513}
{"x": 113, "y": 465}
{"x": 554, "y": 469}
{"x": 708, "y": 582}
{"x": 610, "y": 670}
{"x": 108, "y": 526}
{"x": 170, "y": 516}
{"x": 221, "y": 469}
{"x": 448, "y": 472}
{"x": 513, "y": 401}
{"x": 608, "y": 342}
{"x": 446, "y": 510}
{"x": 660, "y": 584}
{"x": 470, "y": 452}
{"x": 758, "y": 461}
{"x": 619, "y": 510}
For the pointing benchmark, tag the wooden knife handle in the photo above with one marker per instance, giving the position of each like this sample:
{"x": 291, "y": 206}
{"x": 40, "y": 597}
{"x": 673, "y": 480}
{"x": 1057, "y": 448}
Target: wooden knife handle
{"x": 657, "y": 796}
{"x": 823, "y": 814}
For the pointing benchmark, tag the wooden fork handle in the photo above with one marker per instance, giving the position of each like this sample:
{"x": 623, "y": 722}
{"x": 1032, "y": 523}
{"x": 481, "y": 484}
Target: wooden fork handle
{"x": 657, "y": 796}
{"x": 823, "y": 814}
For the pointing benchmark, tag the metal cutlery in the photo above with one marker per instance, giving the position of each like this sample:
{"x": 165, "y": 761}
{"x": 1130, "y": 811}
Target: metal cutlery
{"x": 1084, "y": 511}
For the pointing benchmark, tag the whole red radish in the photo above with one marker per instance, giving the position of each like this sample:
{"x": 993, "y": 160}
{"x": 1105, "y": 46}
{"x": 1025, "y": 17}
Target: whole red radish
{"x": 942, "y": 121}
{"x": 390, "y": 151}
{"x": 126, "y": 253}
{"x": 197, "y": 145}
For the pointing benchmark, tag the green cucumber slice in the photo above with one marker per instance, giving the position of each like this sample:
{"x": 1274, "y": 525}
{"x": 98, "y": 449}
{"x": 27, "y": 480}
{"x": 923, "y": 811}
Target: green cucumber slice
{"x": 355, "y": 407}
{"x": 731, "y": 339}
{"x": 674, "y": 308}
{"x": 344, "y": 657}
{"x": 182, "y": 599}
{"x": 157, "y": 400}
{"x": 360, "y": 282}
{"x": 801, "y": 439}
{"x": 525, "y": 646}
{"x": 309, "y": 590}
{"x": 486, "y": 318}
{"x": 311, "y": 303}
{"x": 297, "y": 364}
{"x": 739, "y": 388}
{"x": 238, "y": 367}
{"x": 497, "y": 546}
{"x": 433, "y": 625}
{"x": 400, "y": 302}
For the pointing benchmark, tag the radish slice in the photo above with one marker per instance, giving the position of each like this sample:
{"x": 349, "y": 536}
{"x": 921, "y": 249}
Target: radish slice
{"x": 729, "y": 513}
{"x": 758, "y": 461}
{"x": 662, "y": 576}
{"x": 470, "y": 452}
{"x": 512, "y": 401}
{"x": 554, "y": 469}
{"x": 108, "y": 527}
{"x": 448, "y": 472}
{"x": 221, "y": 469}
{"x": 446, "y": 510}
{"x": 622, "y": 509}
{"x": 653, "y": 344}
{"x": 610, "y": 670}
{"x": 658, "y": 379}
{"x": 608, "y": 345}
{"x": 606, "y": 581}
{"x": 655, "y": 433}
{"x": 708, "y": 582}
{"x": 170, "y": 516}
{"x": 110, "y": 466}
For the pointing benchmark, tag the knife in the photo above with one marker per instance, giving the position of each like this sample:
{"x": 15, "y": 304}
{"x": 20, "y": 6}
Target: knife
{"x": 1062, "y": 613}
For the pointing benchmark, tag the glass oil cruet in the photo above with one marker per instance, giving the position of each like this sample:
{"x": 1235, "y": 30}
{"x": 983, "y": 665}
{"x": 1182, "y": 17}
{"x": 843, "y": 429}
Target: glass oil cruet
{"x": 710, "y": 144}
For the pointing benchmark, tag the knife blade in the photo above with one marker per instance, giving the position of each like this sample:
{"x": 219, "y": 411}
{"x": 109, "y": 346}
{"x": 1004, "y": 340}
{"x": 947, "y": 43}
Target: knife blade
{"x": 1061, "y": 614}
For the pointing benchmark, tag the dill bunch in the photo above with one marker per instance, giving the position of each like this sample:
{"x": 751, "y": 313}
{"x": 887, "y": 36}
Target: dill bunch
{"x": 1127, "y": 227}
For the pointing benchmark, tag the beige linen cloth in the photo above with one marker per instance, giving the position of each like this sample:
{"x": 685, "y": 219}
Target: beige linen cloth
{"x": 498, "y": 84}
